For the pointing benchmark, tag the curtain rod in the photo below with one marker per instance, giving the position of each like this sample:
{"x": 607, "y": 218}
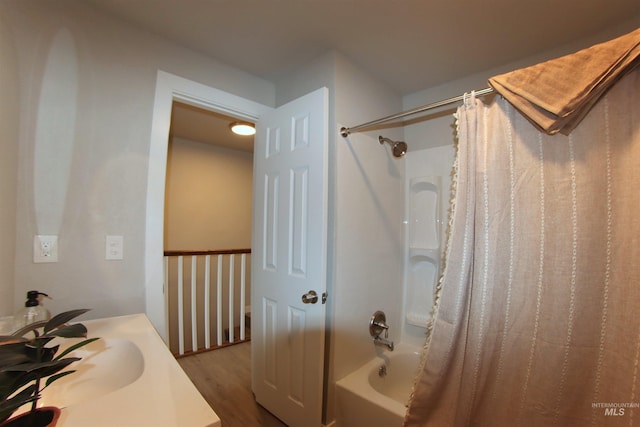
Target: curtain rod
{"x": 346, "y": 131}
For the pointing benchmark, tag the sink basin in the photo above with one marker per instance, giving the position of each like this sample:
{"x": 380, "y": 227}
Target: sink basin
{"x": 107, "y": 365}
{"x": 126, "y": 378}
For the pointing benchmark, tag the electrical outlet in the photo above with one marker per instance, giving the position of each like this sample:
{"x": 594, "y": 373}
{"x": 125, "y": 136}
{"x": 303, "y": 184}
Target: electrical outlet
{"x": 114, "y": 248}
{"x": 45, "y": 248}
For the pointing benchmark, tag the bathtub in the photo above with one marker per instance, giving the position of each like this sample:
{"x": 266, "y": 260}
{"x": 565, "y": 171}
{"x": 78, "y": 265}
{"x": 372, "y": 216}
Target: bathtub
{"x": 127, "y": 378}
{"x": 376, "y": 394}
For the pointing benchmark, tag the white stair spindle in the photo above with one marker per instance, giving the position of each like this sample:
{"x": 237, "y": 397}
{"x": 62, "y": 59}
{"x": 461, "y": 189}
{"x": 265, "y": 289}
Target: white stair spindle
{"x": 194, "y": 314}
{"x": 243, "y": 266}
{"x": 231, "y": 292}
{"x": 207, "y": 301}
{"x": 219, "y": 301}
{"x": 180, "y": 307}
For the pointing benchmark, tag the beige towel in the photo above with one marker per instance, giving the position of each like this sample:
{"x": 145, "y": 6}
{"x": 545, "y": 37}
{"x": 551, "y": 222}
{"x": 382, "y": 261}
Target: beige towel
{"x": 556, "y": 95}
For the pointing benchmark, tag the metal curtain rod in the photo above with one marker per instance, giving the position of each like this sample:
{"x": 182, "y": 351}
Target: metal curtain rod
{"x": 346, "y": 131}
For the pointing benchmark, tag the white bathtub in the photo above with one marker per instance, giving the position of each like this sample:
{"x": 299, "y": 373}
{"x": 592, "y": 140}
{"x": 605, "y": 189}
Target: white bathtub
{"x": 367, "y": 399}
{"x": 127, "y": 378}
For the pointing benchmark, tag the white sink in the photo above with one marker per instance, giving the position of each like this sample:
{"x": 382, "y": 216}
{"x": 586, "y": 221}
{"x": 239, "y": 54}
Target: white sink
{"x": 127, "y": 378}
{"x": 106, "y": 366}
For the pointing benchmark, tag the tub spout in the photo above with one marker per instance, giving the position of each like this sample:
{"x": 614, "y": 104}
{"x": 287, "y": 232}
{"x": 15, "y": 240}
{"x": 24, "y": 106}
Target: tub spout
{"x": 378, "y": 340}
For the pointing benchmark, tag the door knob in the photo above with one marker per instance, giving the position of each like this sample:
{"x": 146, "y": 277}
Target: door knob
{"x": 310, "y": 297}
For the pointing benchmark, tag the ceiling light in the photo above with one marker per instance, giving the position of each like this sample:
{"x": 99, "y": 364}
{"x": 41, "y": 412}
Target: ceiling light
{"x": 242, "y": 128}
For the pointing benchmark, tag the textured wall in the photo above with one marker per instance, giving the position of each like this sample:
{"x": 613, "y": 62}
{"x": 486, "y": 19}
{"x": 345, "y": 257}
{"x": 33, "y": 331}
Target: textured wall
{"x": 101, "y": 186}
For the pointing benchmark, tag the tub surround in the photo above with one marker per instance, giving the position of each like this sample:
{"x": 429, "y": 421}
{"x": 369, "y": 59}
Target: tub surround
{"x": 128, "y": 378}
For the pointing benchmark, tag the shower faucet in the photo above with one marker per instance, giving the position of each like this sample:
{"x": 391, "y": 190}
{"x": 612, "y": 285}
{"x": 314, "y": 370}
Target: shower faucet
{"x": 377, "y": 324}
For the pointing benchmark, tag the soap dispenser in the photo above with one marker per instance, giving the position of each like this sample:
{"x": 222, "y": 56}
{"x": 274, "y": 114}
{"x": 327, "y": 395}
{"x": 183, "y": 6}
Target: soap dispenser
{"x": 33, "y": 310}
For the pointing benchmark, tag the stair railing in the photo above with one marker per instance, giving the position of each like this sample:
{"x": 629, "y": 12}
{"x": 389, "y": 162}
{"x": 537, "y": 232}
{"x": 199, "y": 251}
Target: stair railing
{"x": 198, "y": 318}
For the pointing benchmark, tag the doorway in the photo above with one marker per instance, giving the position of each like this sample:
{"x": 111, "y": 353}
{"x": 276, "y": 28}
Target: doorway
{"x": 170, "y": 88}
{"x": 207, "y": 231}
{"x": 289, "y": 233}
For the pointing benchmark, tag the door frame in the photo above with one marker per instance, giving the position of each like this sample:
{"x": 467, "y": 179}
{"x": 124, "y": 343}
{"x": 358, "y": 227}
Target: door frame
{"x": 169, "y": 88}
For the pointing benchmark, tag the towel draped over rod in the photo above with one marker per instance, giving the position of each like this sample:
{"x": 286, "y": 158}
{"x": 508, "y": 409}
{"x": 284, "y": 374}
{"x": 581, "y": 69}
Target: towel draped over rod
{"x": 345, "y": 131}
{"x": 557, "y": 94}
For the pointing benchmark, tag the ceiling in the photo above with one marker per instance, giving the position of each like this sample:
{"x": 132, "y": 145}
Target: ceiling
{"x": 196, "y": 124}
{"x": 409, "y": 44}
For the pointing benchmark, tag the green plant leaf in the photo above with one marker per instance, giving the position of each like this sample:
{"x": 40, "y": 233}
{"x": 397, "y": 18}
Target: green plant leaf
{"x": 62, "y": 318}
{"x": 41, "y": 369}
{"x": 14, "y": 347}
{"x": 52, "y": 378}
{"x": 31, "y": 327}
{"x": 75, "y": 347}
{"x": 47, "y": 353}
{"x": 12, "y": 382}
{"x": 23, "y": 378}
{"x": 9, "y": 406}
{"x": 26, "y": 363}
{"x": 39, "y": 343}
{"x": 12, "y": 358}
{"x": 77, "y": 330}
{"x": 10, "y": 339}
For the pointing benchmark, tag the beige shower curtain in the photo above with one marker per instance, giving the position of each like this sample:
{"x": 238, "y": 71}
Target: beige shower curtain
{"x": 537, "y": 320}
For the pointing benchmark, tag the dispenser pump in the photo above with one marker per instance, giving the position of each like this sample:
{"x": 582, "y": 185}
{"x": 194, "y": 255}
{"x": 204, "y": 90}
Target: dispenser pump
{"x": 33, "y": 310}
{"x": 33, "y": 298}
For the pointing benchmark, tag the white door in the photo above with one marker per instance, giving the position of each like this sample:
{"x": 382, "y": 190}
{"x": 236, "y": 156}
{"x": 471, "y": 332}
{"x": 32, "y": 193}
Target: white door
{"x": 289, "y": 259}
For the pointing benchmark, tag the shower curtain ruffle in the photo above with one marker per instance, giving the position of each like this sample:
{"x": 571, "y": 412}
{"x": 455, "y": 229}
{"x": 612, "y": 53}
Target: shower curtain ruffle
{"x": 557, "y": 94}
{"x": 536, "y": 322}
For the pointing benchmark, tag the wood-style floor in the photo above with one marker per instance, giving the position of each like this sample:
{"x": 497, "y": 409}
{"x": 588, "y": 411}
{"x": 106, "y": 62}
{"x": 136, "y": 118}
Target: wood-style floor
{"x": 223, "y": 377}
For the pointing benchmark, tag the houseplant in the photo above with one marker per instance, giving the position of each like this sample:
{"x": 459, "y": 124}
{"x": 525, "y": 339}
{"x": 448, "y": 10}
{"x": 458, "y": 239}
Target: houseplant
{"x": 28, "y": 366}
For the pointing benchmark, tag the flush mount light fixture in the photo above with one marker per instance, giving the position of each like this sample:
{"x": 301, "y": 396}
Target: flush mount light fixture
{"x": 242, "y": 128}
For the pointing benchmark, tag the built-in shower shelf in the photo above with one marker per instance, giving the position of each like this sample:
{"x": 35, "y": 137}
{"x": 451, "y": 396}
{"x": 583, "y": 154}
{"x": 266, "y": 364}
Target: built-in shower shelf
{"x": 424, "y": 232}
{"x": 432, "y": 255}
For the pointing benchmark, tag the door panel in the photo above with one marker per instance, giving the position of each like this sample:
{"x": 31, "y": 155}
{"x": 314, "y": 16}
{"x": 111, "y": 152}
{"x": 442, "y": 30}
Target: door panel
{"x": 289, "y": 236}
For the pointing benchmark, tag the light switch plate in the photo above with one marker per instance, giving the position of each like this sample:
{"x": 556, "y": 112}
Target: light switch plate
{"x": 114, "y": 248}
{"x": 45, "y": 248}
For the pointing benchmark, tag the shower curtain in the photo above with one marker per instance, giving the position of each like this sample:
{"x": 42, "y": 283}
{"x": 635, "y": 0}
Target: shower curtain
{"x": 537, "y": 317}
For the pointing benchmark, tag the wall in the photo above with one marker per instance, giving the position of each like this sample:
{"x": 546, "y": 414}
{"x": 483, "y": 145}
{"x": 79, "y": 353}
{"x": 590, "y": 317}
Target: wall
{"x": 8, "y": 165}
{"x": 366, "y": 185}
{"x": 368, "y": 230}
{"x": 104, "y": 185}
{"x": 316, "y": 74}
{"x": 208, "y": 197}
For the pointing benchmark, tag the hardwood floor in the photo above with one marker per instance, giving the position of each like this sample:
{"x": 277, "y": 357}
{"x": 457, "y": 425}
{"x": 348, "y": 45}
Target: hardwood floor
{"x": 223, "y": 377}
